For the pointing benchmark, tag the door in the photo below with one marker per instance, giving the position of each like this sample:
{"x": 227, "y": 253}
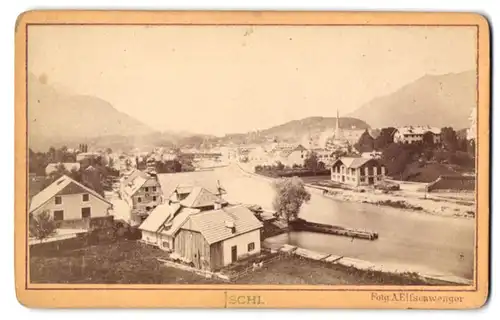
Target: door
{"x": 234, "y": 253}
{"x": 370, "y": 180}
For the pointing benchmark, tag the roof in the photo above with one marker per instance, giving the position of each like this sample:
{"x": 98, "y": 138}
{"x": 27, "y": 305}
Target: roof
{"x": 159, "y": 216}
{"x": 167, "y": 219}
{"x": 56, "y": 187}
{"x": 213, "y": 224}
{"x": 184, "y": 182}
{"x": 135, "y": 181}
{"x": 418, "y": 130}
{"x": 68, "y": 166}
{"x": 353, "y": 162}
{"x": 200, "y": 197}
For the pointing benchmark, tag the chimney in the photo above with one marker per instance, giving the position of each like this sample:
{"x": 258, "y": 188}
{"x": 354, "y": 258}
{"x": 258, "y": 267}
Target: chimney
{"x": 230, "y": 225}
{"x": 217, "y": 205}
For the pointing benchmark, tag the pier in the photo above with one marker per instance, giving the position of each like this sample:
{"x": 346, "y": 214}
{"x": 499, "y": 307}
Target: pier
{"x": 303, "y": 225}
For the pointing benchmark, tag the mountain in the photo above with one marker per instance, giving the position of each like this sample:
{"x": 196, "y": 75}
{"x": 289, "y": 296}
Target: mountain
{"x": 435, "y": 100}
{"x": 55, "y": 116}
{"x": 298, "y": 130}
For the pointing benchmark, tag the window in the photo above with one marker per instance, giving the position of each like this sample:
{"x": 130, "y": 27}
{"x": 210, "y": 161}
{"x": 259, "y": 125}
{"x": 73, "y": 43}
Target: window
{"x": 165, "y": 245}
{"x": 85, "y": 212}
{"x": 251, "y": 246}
{"x": 58, "y": 215}
{"x": 139, "y": 199}
{"x": 154, "y": 198}
{"x": 58, "y": 200}
{"x": 154, "y": 189}
{"x": 146, "y": 189}
{"x": 85, "y": 197}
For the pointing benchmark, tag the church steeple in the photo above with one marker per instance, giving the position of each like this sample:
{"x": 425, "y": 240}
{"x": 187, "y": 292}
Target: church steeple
{"x": 337, "y": 127}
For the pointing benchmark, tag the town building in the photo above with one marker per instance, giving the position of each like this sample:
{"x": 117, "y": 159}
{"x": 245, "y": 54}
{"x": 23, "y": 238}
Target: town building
{"x": 471, "y": 132}
{"x": 70, "y": 204}
{"x": 417, "y": 134}
{"x": 142, "y": 192}
{"x": 204, "y": 230}
{"x": 68, "y": 166}
{"x": 82, "y": 156}
{"x": 324, "y": 155}
{"x": 357, "y": 171}
{"x": 288, "y": 154}
{"x": 258, "y": 155}
{"x": 177, "y": 186}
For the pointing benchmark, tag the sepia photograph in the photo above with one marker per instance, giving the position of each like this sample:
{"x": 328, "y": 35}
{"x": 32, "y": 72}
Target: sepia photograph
{"x": 252, "y": 154}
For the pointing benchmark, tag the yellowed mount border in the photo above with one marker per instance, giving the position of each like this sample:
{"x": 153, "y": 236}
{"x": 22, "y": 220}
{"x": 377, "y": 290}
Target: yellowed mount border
{"x": 253, "y": 296}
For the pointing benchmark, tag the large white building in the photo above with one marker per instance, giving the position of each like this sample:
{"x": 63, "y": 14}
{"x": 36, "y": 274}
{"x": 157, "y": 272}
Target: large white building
{"x": 70, "y": 203}
{"x": 357, "y": 171}
{"x": 415, "y": 134}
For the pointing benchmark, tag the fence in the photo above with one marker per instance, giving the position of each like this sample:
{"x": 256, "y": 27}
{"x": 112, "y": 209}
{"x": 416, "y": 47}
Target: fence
{"x": 253, "y": 268}
{"x": 453, "y": 183}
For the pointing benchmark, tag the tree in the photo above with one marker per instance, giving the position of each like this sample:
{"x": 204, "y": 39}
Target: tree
{"x": 311, "y": 162}
{"x": 428, "y": 139}
{"x": 365, "y": 143}
{"x": 280, "y": 166}
{"x": 41, "y": 226}
{"x": 396, "y": 157}
{"x": 449, "y": 138}
{"x": 290, "y": 195}
{"x": 385, "y": 138}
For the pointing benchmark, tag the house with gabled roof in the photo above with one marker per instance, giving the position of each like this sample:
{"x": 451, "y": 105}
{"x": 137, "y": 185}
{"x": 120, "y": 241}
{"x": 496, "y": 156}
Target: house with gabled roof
{"x": 417, "y": 134}
{"x": 357, "y": 171}
{"x": 290, "y": 155}
{"x": 70, "y": 203}
{"x": 204, "y": 230}
{"x": 177, "y": 186}
{"x": 142, "y": 192}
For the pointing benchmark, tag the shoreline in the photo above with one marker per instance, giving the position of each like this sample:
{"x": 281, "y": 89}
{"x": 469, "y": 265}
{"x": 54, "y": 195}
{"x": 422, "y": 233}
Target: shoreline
{"x": 437, "y": 207}
{"x": 363, "y": 265}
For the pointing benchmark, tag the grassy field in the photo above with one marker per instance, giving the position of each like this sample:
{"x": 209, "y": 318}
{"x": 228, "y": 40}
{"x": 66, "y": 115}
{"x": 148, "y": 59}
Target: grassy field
{"x": 130, "y": 262}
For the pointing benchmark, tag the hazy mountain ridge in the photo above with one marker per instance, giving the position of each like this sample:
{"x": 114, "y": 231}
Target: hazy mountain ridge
{"x": 435, "y": 100}
{"x": 296, "y": 130}
{"x": 54, "y": 115}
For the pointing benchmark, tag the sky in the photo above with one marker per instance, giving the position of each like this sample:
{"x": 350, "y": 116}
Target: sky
{"x": 227, "y": 79}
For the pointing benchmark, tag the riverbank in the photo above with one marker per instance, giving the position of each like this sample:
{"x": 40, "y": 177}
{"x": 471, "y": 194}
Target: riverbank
{"x": 411, "y": 201}
{"x": 393, "y": 274}
{"x": 402, "y": 201}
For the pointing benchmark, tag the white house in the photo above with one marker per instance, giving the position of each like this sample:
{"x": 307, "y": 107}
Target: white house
{"x": 70, "y": 203}
{"x": 357, "y": 171}
{"x": 141, "y": 191}
{"x": 415, "y": 134}
{"x": 204, "y": 230}
{"x": 324, "y": 155}
{"x": 68, "y": 166}
{"x": 86, "y": 155}
{"x": 258, "y": 155}
{"x": 290, "y": 154}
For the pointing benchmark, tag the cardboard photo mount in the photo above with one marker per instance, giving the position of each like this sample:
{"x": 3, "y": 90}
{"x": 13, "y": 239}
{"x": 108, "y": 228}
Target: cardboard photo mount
{"x": 253, "y": 296}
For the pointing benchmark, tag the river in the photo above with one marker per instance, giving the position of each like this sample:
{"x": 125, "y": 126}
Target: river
{"x": 421, "y": 242}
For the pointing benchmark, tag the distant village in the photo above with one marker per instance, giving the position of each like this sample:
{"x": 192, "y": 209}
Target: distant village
{"x": 170, "y": 199}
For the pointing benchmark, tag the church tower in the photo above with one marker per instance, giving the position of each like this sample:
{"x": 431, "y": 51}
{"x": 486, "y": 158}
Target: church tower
{"x": 338, "y": 131}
